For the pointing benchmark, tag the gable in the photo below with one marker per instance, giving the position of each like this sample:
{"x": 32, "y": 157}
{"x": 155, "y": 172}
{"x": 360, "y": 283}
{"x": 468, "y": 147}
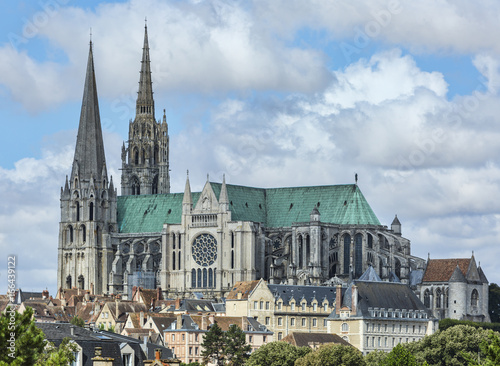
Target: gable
{"x": 441, "y": 270}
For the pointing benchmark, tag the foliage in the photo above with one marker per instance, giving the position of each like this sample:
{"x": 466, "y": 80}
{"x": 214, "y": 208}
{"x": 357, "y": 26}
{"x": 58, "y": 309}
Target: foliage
{"x": 447, "y": 347}
{"x": 374, "y": 358}
{"x": 31, "y": 347}
{"x": 111, "y": 328}
{"x": 213, "y": 345}
{"x": 102, "y": 326}
{"x": 190, "y": 364}
{"x": 58, "y": 356}
{"x": 79, "y": 322}
{"x": 494, "y": 302}
{"x": 277, "y": 354}
{"x": 399, "y": 356}
{"x": 332, "y": 355}
{"x": 490, "y": 352}
{"x": 236, "y": 351}
{"x": 447, "y": 323}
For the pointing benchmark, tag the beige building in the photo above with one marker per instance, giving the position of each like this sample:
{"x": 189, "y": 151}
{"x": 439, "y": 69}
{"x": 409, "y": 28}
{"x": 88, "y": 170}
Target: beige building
{"x": 114, "y": 314}
{"x": 377, "y": 315}
{"x": 185, "y": 335}
{"x": 283, "y": 308}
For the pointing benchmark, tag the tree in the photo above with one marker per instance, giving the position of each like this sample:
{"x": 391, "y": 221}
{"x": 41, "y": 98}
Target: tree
{"x": 448, "y": 347}
{"x": 79, "y": 322}
{"x": 333, "y": 355}
{"x": 399, "y": 356}
{"x": 236, "y": 350}
{"x": 490, "y": 352}
{"x": 23, "y": 344}
{"x": 213, "y": 346}
{"x": 277, "y": 354}
{"x": 494, "y": 302}
{"x": 375, "y": 358}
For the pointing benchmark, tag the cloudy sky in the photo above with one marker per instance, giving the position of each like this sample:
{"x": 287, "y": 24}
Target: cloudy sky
{"x": 271, "y": 93}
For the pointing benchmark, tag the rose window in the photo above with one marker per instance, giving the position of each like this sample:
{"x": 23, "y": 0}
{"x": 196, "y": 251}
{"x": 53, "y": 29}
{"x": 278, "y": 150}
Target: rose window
{"x": 205, "y": 250}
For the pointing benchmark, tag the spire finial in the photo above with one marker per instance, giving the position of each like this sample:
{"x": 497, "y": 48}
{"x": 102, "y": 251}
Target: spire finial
{"x": 208, "y": 177}
{"x": 90, "y": 36}
{"x": 188, "y": 173}
{"x": 356, "y": 178}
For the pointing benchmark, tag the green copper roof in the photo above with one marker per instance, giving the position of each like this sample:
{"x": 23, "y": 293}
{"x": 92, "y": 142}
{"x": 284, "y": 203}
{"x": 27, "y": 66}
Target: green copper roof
{"x": 275, "y": 207}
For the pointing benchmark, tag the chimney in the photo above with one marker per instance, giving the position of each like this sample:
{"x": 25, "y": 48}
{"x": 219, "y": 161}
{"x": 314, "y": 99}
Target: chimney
{"x": 211, "y": 318}
{"x": 338, "y": 299}
{"x": 92, "y": 289}
{"x": 45, "y": 294}
{"x": 157, "y": 354}
{"x": 354, "y": 297}
{"x": 179, "y": 321}
{"x": 239, "y": 295}
{"x": 72, "y": 330}
{"x": 87, "y": 296}
{"x": 158, "y": 293}
{"x": 244, "y": 323}
{"x": 177, "y": 303}
{"x": 204, "y": 322}
{"x": 141, "y": 319}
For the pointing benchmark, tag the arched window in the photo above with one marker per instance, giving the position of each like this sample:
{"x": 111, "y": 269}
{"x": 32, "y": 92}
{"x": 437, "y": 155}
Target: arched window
{"x": 193, "y": 278}
{"x": 91, "y": 211}
{"x": 173, "y": 261}
{"x": 97, "y": 236}
{"x": 398, "y": 267}
{"x": 154, "y": 186}
{"x": 232, "y": 259}
{"x": 77, "y": 211}
{"x": 370, "y": 241}
{"x": 179, "y": 241}
{"x": 68, "y": 281}
{"x": 474, "y": 297}
{"x": 199, "y": 277}
{"x": 345, "y": 327}
{"x": 438, "y": 298}
{"x": 81, "y": 282}
{"x": 143, "y": 156}
{"x": 232, "y": 240}
{"x": 179, "y": 261}
{"x": 380, "y": 267}
{"x": 347, "y": 253}
{"x": 358, "y": 255}
{"x": 83, "y": 233}
{"x": 427, "y": 299}
{"x": 69, "y": 237}
{"x": 136, "y": 186}
{"x": 308, "y": 249}
{"x": 204, "y": 278}
{"x": 136, "y": 157}
{"x": 156, "y": 154}
{"x": 301, "y": 254}
{"x": 210, "y": 278}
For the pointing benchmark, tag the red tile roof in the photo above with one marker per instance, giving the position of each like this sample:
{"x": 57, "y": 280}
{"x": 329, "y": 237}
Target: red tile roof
{"x": 245, "y": 288}
{"x": 440, "y": 270}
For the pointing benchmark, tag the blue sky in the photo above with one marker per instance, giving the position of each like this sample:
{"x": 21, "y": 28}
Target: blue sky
{"x": 280, "y": 93}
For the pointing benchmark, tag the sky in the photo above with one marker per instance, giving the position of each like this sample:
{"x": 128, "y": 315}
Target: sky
{"x": 271, "y": 94}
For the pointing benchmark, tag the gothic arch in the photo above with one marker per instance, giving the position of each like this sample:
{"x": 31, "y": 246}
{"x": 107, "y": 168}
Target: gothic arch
{"x": 474, "y": 298}
{"x": 135, "y": 186}
{"x": 427, "y": 298}
{"x": 154, "y": 186}
{"x": 358, "y": 255}
{"x": 347, "y": 252}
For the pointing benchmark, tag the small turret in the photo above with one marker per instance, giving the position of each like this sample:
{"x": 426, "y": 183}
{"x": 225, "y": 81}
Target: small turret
{"x": 187, "y": 201}
{"x": 223, "y": 198}
{"x": 396, "y": 226}
{"x": 315, "y": 215}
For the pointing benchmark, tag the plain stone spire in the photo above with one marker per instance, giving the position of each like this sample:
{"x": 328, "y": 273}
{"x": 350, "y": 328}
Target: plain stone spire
{"x": 89, "y": 152}
{"x": 145, "y": 102}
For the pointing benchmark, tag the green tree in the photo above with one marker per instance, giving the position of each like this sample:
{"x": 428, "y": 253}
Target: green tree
{"x": 23, "y": 344}
{"x": 448, "y": 347}
{"x": 236, "y": 350}
{"x": 399, "y": 356}
{"x": 375, "y": 358}
{"x": 494, "y": 302}
{"x": 277, "y": 354}
{"x": 490, "y": 352}
{"x": 79, "y": 322}
{"x": 333, "y": 355}
{"x": 213, "y": 346}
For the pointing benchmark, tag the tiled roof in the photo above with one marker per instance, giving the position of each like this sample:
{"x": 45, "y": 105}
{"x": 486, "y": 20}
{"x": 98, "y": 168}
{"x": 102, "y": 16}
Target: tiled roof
{"x": 440, "y": 270}
{"x": 287, "y": 292}
{"x": 244, "y": 287}
{"x": 313, "y": 339}
{"x": 275, "y": 207}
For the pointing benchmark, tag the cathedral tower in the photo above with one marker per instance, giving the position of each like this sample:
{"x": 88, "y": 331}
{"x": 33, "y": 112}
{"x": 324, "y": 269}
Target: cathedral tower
{"x": 88, "y": 203}
{"x": 145, "y": 165}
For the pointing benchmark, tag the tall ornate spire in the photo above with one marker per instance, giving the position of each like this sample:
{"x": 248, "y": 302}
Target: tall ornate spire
{"x": 89, "y": 152}
{"x": 145, "y": 102}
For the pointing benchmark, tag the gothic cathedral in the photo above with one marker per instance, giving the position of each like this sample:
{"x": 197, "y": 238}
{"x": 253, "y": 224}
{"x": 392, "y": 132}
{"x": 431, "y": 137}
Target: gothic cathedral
{"x": 205, "y": 242}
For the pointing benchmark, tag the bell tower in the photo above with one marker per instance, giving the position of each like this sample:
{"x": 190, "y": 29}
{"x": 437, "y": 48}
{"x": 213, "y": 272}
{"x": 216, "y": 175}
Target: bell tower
{"x": 145, "y": 162}
{"x": 88, "y": 203}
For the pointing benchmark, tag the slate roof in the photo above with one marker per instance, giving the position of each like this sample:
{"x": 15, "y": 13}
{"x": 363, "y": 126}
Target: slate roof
{"x": 370, "y": 275}
{"x": 441, "y": 270}
{"x": 125, "y": 307}
{"x": 313, "y": 339}
{"x": 243, "y": 287}
{"x": 274, "y": 207}
{"x": 287, "y": 292}
{"x": 197, "y": 305}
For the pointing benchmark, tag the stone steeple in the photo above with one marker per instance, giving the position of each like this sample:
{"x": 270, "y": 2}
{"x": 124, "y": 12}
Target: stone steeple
{"x": 88, "y": 203}
{"x": 145, "y": 103}
{"x": 145, "y": 162}
{"x": 89, "y": 152}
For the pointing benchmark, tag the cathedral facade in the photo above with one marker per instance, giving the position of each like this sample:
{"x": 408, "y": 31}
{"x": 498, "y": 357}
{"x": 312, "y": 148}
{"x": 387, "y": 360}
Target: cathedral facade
{"x": 205, "y": 242}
